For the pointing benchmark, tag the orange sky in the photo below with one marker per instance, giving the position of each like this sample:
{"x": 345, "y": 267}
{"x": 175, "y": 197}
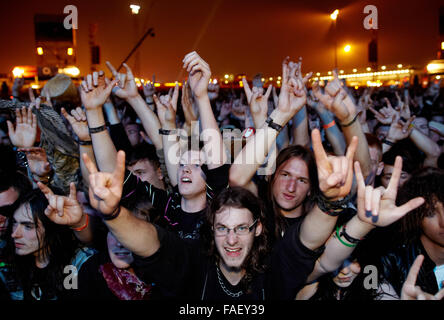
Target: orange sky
{"x": 239, "y": 37}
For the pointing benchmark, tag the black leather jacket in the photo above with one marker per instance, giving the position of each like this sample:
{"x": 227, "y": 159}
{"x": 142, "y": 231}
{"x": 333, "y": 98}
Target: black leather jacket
{"x": 395, "y": 267}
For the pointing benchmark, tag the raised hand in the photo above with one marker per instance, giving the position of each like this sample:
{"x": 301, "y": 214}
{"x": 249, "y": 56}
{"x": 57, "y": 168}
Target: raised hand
{"x": 105, "y": 189}
{"x": 63, "y": 210}
{"x": 37, "y": 161}
{"x": 335, "y": 174}
{"x": 213, "y": 91}
{"x": 187, "y": 104}
{"x": 166, "y": 108}
{"x": 78, "y": 122}
{"x": 378, "y": 206}
{"x": 199, "y": 73}
{"x": 127, "y": 87}
{"x": 25, "y": 132}
{"x": 399, "y": 129}
{"x": 95, "y": 90}
{"x": 410, "y": 291}
{"x": 18, "y": 84}
{"x": 336, "y": 99}
{"x": 148, "y": 88}
{"x": 257, "y": 100}
{"x": 293, "y": 94}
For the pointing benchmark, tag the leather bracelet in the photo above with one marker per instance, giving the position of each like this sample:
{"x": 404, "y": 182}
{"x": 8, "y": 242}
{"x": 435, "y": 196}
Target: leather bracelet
{"x": 348, "y": 237}
{"x": 113, "y": 215}
{"x": 273, "y": 125}
{"x": 387, "y": 142}
{"x": 338, "y": 236}
{"x": 97, "y": 129}
{"x": 332, "y": 208}
{"x": 165, "y": 132}
{"x": 351, "y": 122}
{"x": 85, "y": 143}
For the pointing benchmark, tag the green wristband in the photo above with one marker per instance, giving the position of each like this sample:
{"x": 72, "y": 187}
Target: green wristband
{"x": 341, "y": 241}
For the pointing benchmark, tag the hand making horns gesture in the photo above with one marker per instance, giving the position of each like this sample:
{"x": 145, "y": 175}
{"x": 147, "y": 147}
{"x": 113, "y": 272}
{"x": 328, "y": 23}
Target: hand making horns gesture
{"x": 410, "y": 291}
{"x": 105, "y": 189}
{"x": 63, "y": 210}
{"x": 378, "y": 206}
{"x": 335, "y": 173}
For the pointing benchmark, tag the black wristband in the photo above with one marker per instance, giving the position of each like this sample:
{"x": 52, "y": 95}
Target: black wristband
{"x": 273, "y": 125}
{"x": 387, "y": 142}
{"x": 348, "y": 237}
{"x": 332, "y": 208}
{"x": 113, "y": 215}
{"x": 97, "y": 129}
{"x": 351, "y": 122}
{"x": 165, "y": 132}
{"x": 85, "y": 143}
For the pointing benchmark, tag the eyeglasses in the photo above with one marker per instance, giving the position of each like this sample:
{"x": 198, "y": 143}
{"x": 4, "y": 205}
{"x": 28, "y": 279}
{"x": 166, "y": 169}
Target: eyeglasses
{"x": 222, "y": 231}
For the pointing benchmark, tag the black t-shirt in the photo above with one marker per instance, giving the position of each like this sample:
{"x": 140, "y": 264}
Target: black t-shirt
{"x": 168, "y": 205}
{"x": 182, "y": 270}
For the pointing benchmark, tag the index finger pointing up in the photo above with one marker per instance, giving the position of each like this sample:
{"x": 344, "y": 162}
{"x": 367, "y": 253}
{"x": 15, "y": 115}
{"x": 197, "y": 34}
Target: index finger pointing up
{"x": 352, "y": 148}
{"x": 318, "y": 148}
{"x": 392, "y": 187}
{"x": 111, "y": 68}
{"x": 46, "y": 191}
{"x": 119, "y": 171}
{"x": 90, "y": 166}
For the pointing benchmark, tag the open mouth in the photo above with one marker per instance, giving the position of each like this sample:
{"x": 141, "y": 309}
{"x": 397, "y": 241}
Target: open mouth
{"x": 233, "y": 252}
{"x": 186, "y": 180}
{"x": 122, "y": 254}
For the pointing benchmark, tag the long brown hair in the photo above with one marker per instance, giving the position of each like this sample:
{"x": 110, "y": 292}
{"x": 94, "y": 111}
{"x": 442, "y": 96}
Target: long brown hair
{"x": 238, "y": 197}
{"x": 286, "y": 154}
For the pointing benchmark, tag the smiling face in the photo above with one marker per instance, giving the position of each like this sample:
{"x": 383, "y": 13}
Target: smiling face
{"x": 121, "y": 257}
{"x": 234, "y": 248}
{"x": 291, "y": 185}
{"x": 190, "y": 177}
{"x": 348, "y": 273}
{"x": 25, "y": 232}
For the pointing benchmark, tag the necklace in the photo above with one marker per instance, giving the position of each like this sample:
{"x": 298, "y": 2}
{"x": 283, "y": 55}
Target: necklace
{"x": 222, "y": 285}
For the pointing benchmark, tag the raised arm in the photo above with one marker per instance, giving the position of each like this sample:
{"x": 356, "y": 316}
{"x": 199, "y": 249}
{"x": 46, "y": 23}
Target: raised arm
{"x": 166, "y": 109}
{"x": 332, "y": 132}
{"x": 68, "y": 211}
{"x": 199, "y": 76}
{"x": 105, "y": 192}
{"x": 128, "y": 90}
{"x": 376, "y": 208}
{"x": 292, "y": 98}
{"x": 79, "y": 125}
{"x": 335, "y": 174}
{"x": 300, "y": 120}
{"x": 258, "y": 102}
{"x": 337, "y": 101}
{"x": 94, "y": 92}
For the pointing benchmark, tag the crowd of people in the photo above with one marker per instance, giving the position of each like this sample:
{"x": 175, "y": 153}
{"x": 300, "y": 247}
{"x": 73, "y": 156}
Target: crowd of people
{"x": 203, "y": 193}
